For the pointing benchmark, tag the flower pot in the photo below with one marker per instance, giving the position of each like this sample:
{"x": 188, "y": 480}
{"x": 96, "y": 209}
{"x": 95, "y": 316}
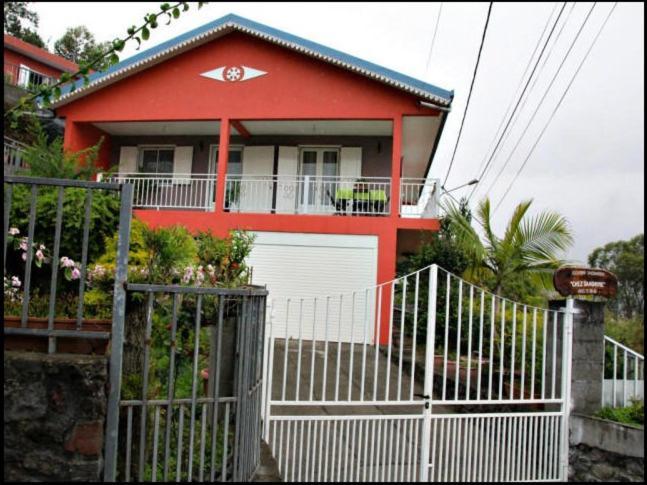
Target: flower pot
{"x": 70, "y": 345}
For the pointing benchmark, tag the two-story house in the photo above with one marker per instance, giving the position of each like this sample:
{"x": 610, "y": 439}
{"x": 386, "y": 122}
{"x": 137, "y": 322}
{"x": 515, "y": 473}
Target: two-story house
{"x": 236, "y": 125}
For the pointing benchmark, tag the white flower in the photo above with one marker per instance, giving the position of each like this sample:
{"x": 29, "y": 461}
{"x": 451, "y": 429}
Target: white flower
{"x": 14, "y": 231}
{"x": 40, "y": 255}
{"x": 15, "y": 281}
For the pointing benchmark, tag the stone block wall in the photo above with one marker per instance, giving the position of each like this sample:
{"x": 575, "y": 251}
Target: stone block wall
{"x": 54, "y": 416}
{"x": 602, "y": 451}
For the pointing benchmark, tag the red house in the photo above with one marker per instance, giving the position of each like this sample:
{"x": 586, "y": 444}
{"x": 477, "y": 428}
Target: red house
{"x": 27, "y": 65}
{"x": 236, "y": 125}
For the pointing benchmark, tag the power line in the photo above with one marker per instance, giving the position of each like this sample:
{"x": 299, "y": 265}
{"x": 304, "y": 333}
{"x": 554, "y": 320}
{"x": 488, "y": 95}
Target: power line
{"x": 559, "y": 103}
{"x": 523, "y": 76}
{"x": 469, "y": 96}
{"x": 433, "y": 39}
{"x": 520, "y": 97}
{"x": 543, "y": 98}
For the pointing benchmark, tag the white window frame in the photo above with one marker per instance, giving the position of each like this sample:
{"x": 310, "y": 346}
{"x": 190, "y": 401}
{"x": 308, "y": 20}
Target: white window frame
{"x": 318, "y": 149}
{"x": 215, "y": 147}
{"x": 140, "y": 158}
{"x": 30, "y": 71}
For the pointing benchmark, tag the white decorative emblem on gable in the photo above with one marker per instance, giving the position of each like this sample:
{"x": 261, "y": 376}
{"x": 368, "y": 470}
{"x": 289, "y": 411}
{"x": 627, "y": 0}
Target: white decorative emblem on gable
{"x": 233, "y": 73}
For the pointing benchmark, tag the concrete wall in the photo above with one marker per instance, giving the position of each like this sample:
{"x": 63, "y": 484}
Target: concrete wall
{"x": 601, "y": 450}
{"x": 54, "y": 408}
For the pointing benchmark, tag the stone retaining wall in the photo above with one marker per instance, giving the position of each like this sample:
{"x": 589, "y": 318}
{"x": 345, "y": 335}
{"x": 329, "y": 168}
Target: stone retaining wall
{"x": 601, "y": 450}
{"x": 54, "y": 410}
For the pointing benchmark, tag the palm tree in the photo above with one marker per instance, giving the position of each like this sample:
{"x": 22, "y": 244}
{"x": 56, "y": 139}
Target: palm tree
{"x": 528, "y": 248}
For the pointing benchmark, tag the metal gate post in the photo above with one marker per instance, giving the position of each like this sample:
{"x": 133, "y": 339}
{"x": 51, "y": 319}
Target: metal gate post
{"x": 429, "y": 374}
{"x": 567, "y": 349}
{"x": 268, "y": 358}
{"x": 117, "y": 337}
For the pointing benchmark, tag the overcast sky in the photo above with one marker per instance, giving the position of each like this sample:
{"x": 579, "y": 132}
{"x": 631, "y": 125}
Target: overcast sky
{"x": 589, "y": 165}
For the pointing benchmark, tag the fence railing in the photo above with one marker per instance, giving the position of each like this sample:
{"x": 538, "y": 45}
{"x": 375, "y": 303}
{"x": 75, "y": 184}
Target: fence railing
{"x": 196, "y": 357}
{"x": 13, "y": 156}
{"x": 23, "y": 282}
{"x": 419, "y": 197}
{"x": 305, "y": 194}
{"x": 25, "y": 77}
{"x": 623, "y": 376}
{"x": 169, "y": 191}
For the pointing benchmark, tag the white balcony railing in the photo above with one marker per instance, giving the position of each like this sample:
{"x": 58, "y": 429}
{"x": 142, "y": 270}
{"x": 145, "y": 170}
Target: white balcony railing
{"x": 25, "y": 77}
{"x": 306, "y": 194}
{"x": 169, "y": 191}
{"x": 623, "y": 377}
{"x": 419, "y": 197}
{"x": 13, "y": 155}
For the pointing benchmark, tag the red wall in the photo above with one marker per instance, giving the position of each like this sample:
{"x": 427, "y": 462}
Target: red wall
{"x": 16, "y": 58}
{"x": 295, "y": 86}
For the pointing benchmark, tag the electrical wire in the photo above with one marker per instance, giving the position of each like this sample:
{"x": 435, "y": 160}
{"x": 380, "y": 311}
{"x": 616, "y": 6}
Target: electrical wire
{"x": 433, "y": 39}
{"x": 543, "y": 49}
{"x": 543, "y": 98}
{"x": 516, "y": 92}
{"x": 469, "y": 96}
{"x": 559, "y": 103}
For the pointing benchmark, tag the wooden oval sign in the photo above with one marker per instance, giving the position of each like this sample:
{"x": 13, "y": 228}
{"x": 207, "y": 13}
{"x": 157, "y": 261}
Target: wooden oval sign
{"x": 585, "y": 281}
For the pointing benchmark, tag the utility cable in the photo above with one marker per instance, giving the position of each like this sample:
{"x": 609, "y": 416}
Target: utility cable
{"x": 433, "y": 39}
{"x": 469, "y": 96}
{"x": 522, "y": 94}
{"x": 559, "y": 103}
{"x": 516, "y": 92}
{"x": 543, "y": 98}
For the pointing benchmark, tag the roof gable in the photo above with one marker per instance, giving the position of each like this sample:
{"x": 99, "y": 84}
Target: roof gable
{"x": 229, "y": 23}
{"x": 41, "y": 55}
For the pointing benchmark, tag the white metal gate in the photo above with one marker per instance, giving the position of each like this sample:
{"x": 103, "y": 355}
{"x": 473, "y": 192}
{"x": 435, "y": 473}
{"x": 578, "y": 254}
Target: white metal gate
{"x": 467, "y": 386}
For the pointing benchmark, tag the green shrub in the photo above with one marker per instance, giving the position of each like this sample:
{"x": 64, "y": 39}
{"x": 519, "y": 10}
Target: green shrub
{"x": 632, "y": 414}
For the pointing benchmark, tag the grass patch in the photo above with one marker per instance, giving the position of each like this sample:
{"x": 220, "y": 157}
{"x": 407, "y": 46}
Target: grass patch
{"x": 632, "y": 414}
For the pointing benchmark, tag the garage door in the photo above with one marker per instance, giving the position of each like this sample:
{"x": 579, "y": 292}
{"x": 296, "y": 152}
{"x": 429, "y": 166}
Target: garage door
{"x": 320, "y": 274}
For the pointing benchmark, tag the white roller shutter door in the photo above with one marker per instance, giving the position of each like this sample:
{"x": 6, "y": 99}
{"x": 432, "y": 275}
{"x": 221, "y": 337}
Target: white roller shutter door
{"x": 297, "y": 265}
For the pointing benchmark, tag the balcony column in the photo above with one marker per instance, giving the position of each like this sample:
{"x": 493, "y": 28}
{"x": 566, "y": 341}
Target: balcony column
{"x": 223, "y": 158}
{"x": 396, "y": 167}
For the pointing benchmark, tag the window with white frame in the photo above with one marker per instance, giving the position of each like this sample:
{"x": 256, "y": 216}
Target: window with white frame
{"x": 156, "y": 160}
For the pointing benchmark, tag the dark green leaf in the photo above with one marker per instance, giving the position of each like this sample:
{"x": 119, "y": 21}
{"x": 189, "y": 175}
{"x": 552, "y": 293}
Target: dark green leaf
{"x": 131, "y": 30}
{"x": 169, "y": 18}
{"x": 185, "y": 6}
{"x": 86, "y": 80}
{"x": 84, "y": 70}
{"x": 139, "y": 42}
{"x": 65, "y": 77}
{"x": 153, "y": 24}
{"x": 145, "y": 33}
{"x": 176, "y": 12}
{"x": 73, "y": 88}
{"x": 118, "y": 44}
{"x": 57, "y": 92}
{"x": 114, "y": 58}
{"x": 164, "y": 7}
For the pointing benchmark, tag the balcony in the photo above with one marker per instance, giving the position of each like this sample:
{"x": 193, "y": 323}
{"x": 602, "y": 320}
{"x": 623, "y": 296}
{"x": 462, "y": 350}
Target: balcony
{"x": 305, "y": 194}
{"x": 180, "y": 191}
{"x": 13, "y": 158}
{"x": 302, "y": 195}
{"x": 25, "y": 77}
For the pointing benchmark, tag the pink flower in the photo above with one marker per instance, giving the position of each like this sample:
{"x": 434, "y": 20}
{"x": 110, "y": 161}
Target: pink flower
{"x": 67, "y": 262}
{"x": 24, "y": 256}
{"x": 23, "y": 244}
{"x": 76, "y": 274}
{"x": 204, "y": 373}
{"x": 188, "y": 274}
{"x": 14, "y": 231}
{"x": 40, "y": 255}
{"x": 15, "y": 281}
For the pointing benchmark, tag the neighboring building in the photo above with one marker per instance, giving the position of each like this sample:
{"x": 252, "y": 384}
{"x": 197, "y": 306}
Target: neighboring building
{"x": 27, "y": 66}
{"x": 236, "y": 125}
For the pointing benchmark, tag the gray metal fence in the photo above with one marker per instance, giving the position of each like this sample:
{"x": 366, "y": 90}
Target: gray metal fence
{"x": 32, "y": 252}
{"x": 191, "y": 385}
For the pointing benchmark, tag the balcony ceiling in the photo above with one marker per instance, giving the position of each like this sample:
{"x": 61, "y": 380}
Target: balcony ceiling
{"x": 320, "y": 127}
{"x": 148, "y": 128}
